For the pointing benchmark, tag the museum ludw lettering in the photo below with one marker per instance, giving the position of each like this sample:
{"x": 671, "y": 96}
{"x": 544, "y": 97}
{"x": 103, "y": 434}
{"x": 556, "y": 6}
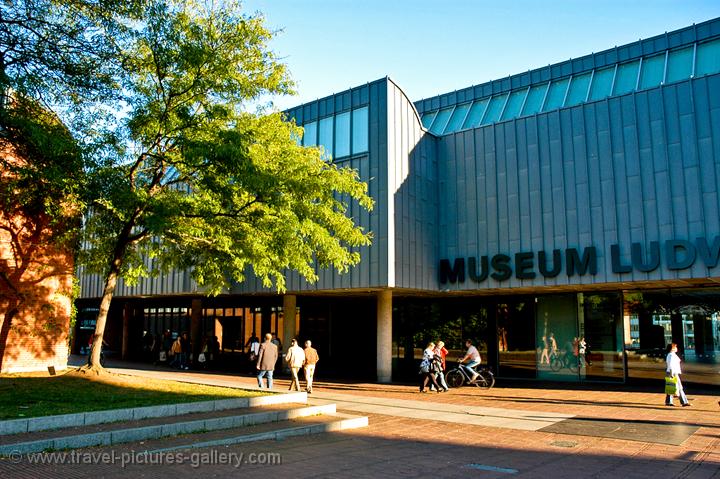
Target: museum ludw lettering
{"x": 676, "y": 255}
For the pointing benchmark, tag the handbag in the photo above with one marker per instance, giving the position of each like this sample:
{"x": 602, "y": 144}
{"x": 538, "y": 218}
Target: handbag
{"x": 201, "y": 357}
{"x": 670, "y": 385}
{"x": 163, "y": 356}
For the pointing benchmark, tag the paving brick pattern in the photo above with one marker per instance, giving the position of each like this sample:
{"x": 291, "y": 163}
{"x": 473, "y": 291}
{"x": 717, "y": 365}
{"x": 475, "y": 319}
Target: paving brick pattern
{"x": 395, "y": 446}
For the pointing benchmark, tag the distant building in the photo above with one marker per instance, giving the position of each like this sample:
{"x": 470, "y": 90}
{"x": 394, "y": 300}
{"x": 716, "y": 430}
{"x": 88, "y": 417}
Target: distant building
{"x": 574, "y": 203}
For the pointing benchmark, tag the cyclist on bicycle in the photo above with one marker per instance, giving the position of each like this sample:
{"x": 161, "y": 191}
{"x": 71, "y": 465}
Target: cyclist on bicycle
{"x": 472, "y": 356}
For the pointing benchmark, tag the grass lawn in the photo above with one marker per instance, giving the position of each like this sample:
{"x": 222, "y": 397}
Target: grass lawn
{"x": 32, "y": 395}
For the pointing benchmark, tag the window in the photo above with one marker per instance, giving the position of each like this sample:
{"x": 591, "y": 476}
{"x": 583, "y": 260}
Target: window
{"x": 652, "y": 71}
{"x": 457, "y": 118}
{"x": 514, "y": 103}
{"x": 602, "y": 83}
{"x": 556, "y": 94}
{"x": 342, "y": 135}
{"x": 475, "y": 114}
{"x": 360, "y": 130}
{"x": 626, "y": 78}
{"x": 535, "y": 98}
{"x": 578, "y": 90}
{"x": 428, "y": 118}
{"x": 494, "y": 109}
{"x": 310, "y": 137}
{"x": 708, "y": 58}
{"x": 679, "y": 64}
{"x": 325, "y": 136}
{"x": 441, "y": 120}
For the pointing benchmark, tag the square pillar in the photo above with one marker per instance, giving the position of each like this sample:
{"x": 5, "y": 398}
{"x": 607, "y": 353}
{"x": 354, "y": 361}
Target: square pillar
{"x": 384, "y": 336}
{"x": 289, "y": 312}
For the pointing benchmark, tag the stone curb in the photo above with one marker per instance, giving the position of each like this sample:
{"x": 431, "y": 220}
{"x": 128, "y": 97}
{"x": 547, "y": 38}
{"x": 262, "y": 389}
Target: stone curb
{"x": 46, "y": 423}
{"x": 120, "y": 436}
{"x": 343, "y": 423}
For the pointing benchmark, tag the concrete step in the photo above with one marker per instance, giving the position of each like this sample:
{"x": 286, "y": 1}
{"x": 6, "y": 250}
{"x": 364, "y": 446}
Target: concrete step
{"x": 299, "y": 426}
{"x": 149, "y": 429}
{"x": 64, "y": 421}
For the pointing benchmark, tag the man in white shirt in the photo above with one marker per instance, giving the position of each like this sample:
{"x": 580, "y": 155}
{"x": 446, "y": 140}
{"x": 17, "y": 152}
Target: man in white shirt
{"x": 472, "y": 356}
{"x": 295, "y": 358}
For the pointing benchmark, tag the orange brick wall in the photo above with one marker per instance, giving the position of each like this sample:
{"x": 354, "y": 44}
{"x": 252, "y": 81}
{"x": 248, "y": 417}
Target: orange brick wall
{"x": 35, "y": 293}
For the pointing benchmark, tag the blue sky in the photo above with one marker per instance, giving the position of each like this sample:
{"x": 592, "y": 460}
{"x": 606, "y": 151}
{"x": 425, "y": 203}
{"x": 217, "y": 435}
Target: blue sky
{"x": 433, "y": 47}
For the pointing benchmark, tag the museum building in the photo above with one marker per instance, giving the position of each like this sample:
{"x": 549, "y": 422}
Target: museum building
{"x": 572, "y": 204}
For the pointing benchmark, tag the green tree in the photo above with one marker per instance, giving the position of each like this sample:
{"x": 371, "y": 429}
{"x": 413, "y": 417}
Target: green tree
{"x": 54, "y": 57}
{"x": 200, "y": 183}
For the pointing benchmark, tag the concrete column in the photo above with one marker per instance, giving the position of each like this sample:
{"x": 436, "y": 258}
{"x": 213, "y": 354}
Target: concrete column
{"x": 195, "y": 328}
{"x": 384, "y": 336}
{"x": 289, "y": 312}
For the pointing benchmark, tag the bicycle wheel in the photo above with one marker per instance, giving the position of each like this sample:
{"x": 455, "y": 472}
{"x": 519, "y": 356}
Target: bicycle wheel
{"x": 556, "y": 363}
{"x": 573, "y": 364}
{"x": 485, "y": 380}
{"x": 455, "y": 378}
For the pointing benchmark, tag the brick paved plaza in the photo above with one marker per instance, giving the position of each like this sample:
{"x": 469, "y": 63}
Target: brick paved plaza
{"x": 517, "y": 430}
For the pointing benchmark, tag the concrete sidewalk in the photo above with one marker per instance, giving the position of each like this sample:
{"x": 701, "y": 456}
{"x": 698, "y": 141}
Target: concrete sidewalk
{"x": 523, "y": 431}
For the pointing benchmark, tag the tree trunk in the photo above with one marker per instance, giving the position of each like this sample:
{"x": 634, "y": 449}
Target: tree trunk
{"x": 110, "y": 282}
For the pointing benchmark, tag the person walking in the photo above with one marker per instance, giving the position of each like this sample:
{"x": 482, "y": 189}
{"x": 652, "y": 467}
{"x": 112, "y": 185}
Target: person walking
{"x": 544, "y": 351}
{"x": 427, "y": 369}
{"x": 267, "y": 357}
{"x": 311, "y": 359}
{"x": 440, "y": 355}
{"x": 295, "y": 358}
{"x": 673, "y": 370}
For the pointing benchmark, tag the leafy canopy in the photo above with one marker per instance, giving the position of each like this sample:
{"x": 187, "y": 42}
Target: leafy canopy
{"x": 193, "y": 180}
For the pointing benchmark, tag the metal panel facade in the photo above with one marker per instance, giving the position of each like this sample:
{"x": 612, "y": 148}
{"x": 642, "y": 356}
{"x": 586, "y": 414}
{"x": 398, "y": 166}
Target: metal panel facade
{"x": 412, "y": 194}
{"x": 637, "y": 168}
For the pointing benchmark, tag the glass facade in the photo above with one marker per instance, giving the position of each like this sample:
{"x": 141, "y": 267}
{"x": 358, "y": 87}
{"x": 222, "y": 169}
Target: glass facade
{"x": 638, "y": 74}
{"x": 575, "y": 337}
{"x": 339, "y": 135}
{"x": 690, "y": 318}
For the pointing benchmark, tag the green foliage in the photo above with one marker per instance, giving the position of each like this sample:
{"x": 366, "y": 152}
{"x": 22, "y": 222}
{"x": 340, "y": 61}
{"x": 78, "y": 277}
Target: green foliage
{"x": 159, "y": 146}
{"x": 48, "y": 185}
{"x": 204, "y": 185}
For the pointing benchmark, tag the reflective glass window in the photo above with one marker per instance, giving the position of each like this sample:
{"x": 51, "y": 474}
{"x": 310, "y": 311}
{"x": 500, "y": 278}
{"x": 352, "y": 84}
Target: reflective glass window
{"x": 679, "y": 64}
{"x": 441, "y": 120}
{"x": 578, "y": 90}
{"x": 342, "y": 134}
{"x": 428, "y": 118}
{"x": 652, "y": 71}
{"x": 626, "y": 78}
{"x": 456, "y": 120}
{"x": 475, "y": 114}
{"x": 494, "y": 109}
{"x": 514, "y": 103}
{"x": 708, "y": 58}
{"x": 310, "y": 136}
{"x": 602, "y": 83}
{"x": 535, "y": 98}
{"x": 325, "y": 135}
{"x": 556, "y": 94}
{"x": 360, "y": 130}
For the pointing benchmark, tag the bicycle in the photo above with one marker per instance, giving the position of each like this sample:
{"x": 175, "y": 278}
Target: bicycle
{"x": 458, "y": 377}
{"x": 564, "y": 360}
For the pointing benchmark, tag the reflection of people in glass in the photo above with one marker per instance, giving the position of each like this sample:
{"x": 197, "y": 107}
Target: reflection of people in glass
{"x": 552, "y": 344}
{"x": 502, "y": 339}
{"x": 544, "y": 357}
{"x": 582, "y": 349}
